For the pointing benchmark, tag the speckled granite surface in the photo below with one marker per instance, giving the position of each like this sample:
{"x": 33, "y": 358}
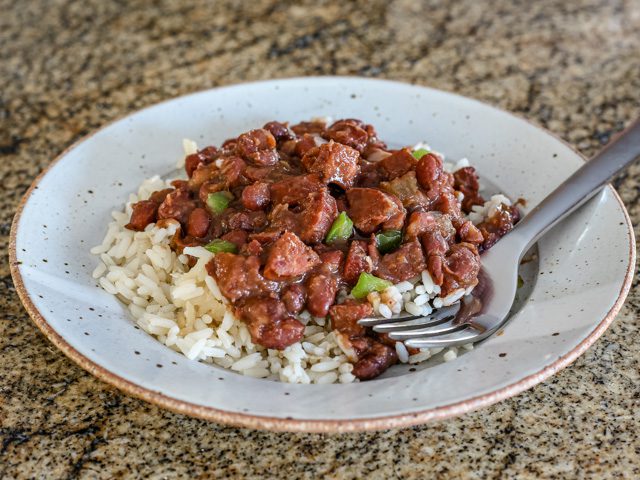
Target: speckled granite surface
{"x": 67, "y": 68}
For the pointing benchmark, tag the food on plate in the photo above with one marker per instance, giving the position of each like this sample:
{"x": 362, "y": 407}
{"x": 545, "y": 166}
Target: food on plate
{"x": 276, "y": 243}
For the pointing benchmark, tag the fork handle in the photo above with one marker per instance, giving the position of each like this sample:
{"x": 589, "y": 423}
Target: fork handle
{"x": 585, "y": 183}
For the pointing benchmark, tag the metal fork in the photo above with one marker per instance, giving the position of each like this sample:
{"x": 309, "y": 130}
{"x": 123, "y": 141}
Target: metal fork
{"x": 482, "y": 313}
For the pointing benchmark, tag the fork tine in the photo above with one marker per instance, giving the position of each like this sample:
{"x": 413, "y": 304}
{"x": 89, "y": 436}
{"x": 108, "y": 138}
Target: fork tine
{"x": 452, "y": 339}
{"x": 441, "y": 329}
{"x": 415, "y": 324}
{"x": 370, "y": 322}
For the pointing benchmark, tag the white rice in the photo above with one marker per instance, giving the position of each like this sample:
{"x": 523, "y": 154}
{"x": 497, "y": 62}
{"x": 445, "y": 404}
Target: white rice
{"x": 184, "y": 308}
{"x": 403, "y": 353}
{"x": 451, "y": 354}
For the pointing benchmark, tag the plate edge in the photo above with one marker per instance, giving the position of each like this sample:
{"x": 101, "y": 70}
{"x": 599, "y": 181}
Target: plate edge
{"x": 302, "y": 425}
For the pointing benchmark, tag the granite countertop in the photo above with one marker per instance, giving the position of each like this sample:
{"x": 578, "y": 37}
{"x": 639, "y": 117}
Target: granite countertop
{"x": 66, "y": 68}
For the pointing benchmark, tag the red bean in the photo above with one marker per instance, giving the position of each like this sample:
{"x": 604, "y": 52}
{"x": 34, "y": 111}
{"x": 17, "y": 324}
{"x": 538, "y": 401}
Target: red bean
{"x": 198, "y": 224}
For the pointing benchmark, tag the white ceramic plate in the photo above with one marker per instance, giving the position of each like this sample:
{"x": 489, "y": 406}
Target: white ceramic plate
{"x": 584, "y": 273}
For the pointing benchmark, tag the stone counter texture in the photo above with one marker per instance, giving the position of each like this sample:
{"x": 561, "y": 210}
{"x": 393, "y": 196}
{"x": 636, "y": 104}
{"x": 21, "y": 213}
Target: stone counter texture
{"x": 67, "y": 68}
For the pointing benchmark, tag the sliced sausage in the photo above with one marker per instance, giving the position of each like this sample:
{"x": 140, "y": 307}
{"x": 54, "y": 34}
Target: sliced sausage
{"x": 144, "y": 212}
{"x": 178, "y": 205}
{"x": 344, "y": 317}
{"x": 331, "y": 259}
{"x": 434, "y": 243}
{"x": 397, "y": 164}
{"x": 396, "y": 220}
{"x": 316, "y": 126}
{"x": 421, "y": 222}
{"x": 293, "y": 190}
{"x": 468, "y": 232}
{"x": 319, "y": 210}
{"x": 369, "y": 176}
{"x": 281, "y": 219}
{"x": 448, "y": 203}
{"x": 305, "y": 143}
{"x": 238, "y": 276}
{"x": 461, "y": 268}
{"x": 289, "y": 257}
{"x": 369, "y": 208}
{"x": 406, "y": 262}
{"x": 269, "y": 323}
{"x": 258, "y": 147}
{"x": 357, "y": 262}
{"x": 321, "y": 292}
{"x": 335, "y": 163}
{"x": 348, "y": 132}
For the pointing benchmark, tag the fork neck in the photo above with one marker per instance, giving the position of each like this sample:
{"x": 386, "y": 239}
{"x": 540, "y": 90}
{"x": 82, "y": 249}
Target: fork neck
{"x": 581, "y": 186}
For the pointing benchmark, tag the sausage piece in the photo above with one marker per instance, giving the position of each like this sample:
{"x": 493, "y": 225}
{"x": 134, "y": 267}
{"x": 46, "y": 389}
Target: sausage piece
{"x": 319, "y": 210}
{"x": 144, "y": 212}
{"x": 321, "y": 293}
{"x": 348, "y": 132}
{"x": 461, "y": 267}
{"x": 269, "y": 323}
{"x": 258, "y": 147}
{"x": 305, "y": 143}
{"x": 468, "y": 232}
{"x": 293, "y": 190}
{"x": 178, "y": 205}
{"x": 369, "y": 208}
{"x": 238, "y": 276}
{"x": 335, "y": 163}
{"x": 396, "y": 164}
{"x": 404, "y": 263}
{"x": 357, "y": 262}
{"x": 421, "y": 222}
{"x": 289, "y": 257}
{"x": 344, "y": 317}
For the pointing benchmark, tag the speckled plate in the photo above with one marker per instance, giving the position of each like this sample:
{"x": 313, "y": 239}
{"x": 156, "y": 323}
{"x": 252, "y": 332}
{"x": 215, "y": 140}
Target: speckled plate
{"x": 582, "y": 278}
